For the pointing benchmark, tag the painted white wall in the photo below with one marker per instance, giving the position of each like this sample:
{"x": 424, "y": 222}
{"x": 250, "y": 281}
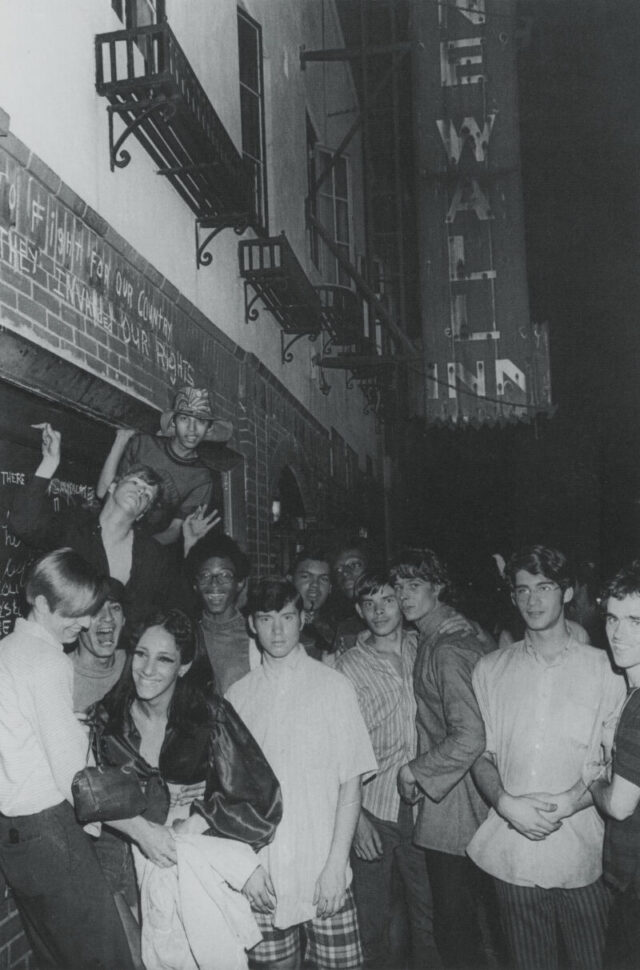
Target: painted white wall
{"x": 47, "y": 84}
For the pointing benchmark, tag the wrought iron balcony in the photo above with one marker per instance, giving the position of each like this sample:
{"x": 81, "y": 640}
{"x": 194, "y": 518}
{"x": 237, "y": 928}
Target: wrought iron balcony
{"x": 270, "y": 267}
{"x": 343, "y": 314}
{"x": 153, "y": 89}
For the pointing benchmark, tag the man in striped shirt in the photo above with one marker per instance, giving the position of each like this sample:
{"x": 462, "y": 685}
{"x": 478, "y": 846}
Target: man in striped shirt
{"x": 380, "y": 666}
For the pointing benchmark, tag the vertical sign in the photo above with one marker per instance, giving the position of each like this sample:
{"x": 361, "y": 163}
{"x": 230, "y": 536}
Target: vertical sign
{"x": 484, "y": 360}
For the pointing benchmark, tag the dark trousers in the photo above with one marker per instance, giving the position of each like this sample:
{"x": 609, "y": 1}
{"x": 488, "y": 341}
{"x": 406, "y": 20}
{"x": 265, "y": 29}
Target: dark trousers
{"x": 531, "y": 918}
{"x": 458, "y": 888}
{"x": 393, "y": 899}
{"x": 622, "y": 951}
{"x": 66, "y": 906}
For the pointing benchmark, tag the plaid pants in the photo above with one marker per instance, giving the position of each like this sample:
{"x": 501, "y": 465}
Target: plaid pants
{"x": 329, "y": 944}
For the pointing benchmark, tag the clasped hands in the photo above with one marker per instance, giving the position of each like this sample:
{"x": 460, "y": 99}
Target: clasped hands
{"x": 535, "y": 815}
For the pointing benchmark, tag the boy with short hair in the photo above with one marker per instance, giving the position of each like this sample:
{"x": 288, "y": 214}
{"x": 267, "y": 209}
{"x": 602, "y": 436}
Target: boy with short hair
{"x": 450, "y": 738}
{"x": 188, "y": 483}
{"x": 48, "y": 861}
{"x": 305, "y": 717}
{"x": 549, "y": 706}
{"x": 97, "y": 661}
{"x": 311, "y": 576}
{"x": 618, "y": 797}
{"x": 218, "y": 569}
{"x": 380, "y": 667}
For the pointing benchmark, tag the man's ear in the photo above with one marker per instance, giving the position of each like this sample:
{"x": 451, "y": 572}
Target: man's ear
{"x": 567, "y": 596}
{"x": 252, "y": 625}
{"x": 241, "y": 586}
{"x": 359, "y": 611}
{"x": 41, "y": 604}
{"x": 302, "y": 616}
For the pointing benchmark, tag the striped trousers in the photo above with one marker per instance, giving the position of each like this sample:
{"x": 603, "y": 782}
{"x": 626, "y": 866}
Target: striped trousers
{"x": 532, "y": 918}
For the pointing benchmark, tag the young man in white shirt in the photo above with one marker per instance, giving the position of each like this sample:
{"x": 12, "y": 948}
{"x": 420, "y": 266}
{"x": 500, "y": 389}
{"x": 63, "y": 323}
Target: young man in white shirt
{"x": 48, "y": 861}
{"x": 306, "y": 719}
{"x": 549, "y": 706}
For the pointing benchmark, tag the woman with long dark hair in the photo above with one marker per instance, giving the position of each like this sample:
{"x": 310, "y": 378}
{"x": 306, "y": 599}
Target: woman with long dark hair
{"x": 202, "y": 770}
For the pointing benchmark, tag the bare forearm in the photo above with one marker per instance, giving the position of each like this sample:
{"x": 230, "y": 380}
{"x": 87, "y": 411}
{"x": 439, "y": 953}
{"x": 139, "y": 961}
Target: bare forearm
{"x": 347, "y": 813}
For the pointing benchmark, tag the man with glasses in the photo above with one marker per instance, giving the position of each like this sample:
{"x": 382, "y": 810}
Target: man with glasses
{"x": 349, "y": 563}
{"x": 219, "y": 569}
{"x": 549, "y": 706}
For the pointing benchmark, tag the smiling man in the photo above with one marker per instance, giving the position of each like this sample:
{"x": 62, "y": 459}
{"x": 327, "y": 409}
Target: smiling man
{"x": 311, "y": 576}
{"x": 49, "y": 862}
{"x": 97, "y": 662}
{"x": 618, "y": 798}
{"x": 110, "y": 539}
{"x": 188, "y": 481}
{"x": 219, "y": 569}
{"x": 549, "y": 706}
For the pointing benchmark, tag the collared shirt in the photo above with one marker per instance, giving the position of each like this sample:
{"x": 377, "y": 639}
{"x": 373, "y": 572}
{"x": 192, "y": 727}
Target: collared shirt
{"x": 622, "y": 837}
{"x": 385, "y": 694}
{"x": 306, "y": 719}
{"x": 450, "y": 735}
{"x": 42, "y": 744}
{"x": 152, "y": 583}
{"x": 545, "y": 723}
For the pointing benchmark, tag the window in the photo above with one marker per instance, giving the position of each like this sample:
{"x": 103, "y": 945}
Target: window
{"x": 312, "y": 138}
{"x": 139, "y": 13}
{"x": 334, "y": 214}
{"x": 252, "y": 112}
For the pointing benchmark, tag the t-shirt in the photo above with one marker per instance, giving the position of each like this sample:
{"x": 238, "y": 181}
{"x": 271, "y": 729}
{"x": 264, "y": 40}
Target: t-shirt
{"x": 622, "y": 838}
{"x": 186, "y": 482}
{"x": 228, "y": 647}
{"x": 91, "y": 685}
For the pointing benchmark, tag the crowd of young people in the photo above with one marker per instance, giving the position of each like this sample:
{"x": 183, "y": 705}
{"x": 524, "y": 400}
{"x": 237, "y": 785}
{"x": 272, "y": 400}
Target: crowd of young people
{"x": 339, "y": 768}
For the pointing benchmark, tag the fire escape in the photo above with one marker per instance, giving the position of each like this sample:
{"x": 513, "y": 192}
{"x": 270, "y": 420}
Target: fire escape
{"x": 378, "y": 45}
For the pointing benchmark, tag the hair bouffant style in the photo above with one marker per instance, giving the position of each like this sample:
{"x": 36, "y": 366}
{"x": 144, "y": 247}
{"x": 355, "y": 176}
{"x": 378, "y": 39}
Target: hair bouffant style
{"x": 191, "y": 698}
{"x": 422, "y": 564}
{"x": 272, "y": 593}
{"x": 217, "y": 545}
{"x": 540, "y": 561}
{"x": 626, "y": 582}
{"x": 70, "y": 585}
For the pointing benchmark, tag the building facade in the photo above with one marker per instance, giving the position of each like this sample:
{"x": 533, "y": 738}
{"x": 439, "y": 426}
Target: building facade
{"x": 156, "y": 162}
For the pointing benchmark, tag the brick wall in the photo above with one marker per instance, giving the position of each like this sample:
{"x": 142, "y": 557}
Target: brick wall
{"x": 70, "y": 285}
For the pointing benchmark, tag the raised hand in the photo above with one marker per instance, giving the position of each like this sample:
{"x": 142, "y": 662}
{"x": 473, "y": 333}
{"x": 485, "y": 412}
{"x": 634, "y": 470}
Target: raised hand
{"x": 197, "y": 524}
{"x": 51, "y": 449}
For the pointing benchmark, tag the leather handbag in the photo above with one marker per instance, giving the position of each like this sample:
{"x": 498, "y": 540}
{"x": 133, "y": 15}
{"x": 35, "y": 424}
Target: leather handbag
{"x": 106, "y": 792}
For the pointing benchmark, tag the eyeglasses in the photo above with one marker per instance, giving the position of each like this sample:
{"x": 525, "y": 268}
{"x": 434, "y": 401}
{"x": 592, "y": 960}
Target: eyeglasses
{"x": 224, "y": 577}
{"x": 351, "y": 566}
{"x": 524, "y": 593}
